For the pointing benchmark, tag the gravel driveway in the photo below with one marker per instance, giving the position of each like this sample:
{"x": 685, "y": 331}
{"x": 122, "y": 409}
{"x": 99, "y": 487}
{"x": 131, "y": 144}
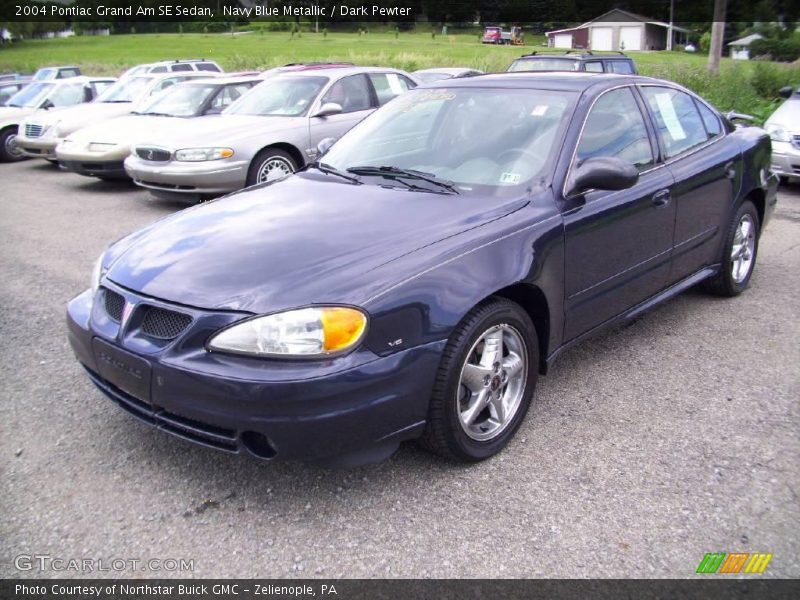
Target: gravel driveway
{"x": 645, "y": 448}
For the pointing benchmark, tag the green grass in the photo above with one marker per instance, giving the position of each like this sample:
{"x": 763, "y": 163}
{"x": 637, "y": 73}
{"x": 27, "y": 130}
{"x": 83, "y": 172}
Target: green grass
{"x": 741, "y": 85}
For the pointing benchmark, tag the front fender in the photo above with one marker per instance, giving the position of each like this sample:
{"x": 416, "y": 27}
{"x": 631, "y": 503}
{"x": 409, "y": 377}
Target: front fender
{"x": 453, "y": 276}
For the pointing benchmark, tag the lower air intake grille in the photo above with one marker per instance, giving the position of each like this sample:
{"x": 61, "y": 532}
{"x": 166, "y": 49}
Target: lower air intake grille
{"x": 114, "y": 303}
{"x": 164, "y": 324}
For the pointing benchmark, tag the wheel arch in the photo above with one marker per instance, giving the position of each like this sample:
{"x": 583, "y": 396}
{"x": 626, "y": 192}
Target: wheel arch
{"x": 290, "y": 149}
{"x": 534, "y": 302}
{"x": 759, "y": 198}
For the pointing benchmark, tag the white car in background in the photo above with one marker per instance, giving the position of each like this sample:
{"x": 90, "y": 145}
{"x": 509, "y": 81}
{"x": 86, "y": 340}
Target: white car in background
{"x": 40, "y": 133}
{"x": 783, "y": 127}
{"x": 175, "y": 66}
{"x": 44, "y": 97}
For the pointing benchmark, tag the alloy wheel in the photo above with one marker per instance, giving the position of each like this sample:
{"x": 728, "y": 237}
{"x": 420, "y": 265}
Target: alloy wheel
{"x": 743, "y": 249}
{"x": 11, "y": 147}
{"x": 492, "y": 382}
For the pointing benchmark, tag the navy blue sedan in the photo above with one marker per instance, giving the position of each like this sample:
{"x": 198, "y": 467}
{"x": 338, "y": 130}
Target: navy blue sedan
{"x": 414, "y": 282}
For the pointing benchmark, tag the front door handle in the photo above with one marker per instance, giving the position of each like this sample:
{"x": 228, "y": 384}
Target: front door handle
{"x": 661, "y": 198}
{"x": 730, "y": 170}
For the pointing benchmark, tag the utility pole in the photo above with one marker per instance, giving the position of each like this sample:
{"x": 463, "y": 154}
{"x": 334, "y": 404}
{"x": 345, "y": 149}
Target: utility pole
{"x": 717, "y": 36}
{"x": 671, "y": 18}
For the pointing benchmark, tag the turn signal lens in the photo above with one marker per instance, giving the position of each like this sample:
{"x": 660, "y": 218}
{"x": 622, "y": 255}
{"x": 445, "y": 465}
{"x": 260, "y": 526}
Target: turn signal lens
{"x": 342, "y": 326}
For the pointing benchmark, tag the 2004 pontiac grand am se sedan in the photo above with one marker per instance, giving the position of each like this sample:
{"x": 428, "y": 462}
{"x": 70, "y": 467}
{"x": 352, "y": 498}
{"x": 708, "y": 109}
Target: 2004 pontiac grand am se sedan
{"x": 414, "y": 281}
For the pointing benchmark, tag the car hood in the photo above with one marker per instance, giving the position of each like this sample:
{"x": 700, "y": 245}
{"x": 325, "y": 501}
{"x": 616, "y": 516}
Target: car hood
{"x": 72, "y": 118}
{"x": 294, "y": 242}
{"x": 787, "y": 115}
{"x": 12, "y": 114}
{"x": 127, "y": 129}
{"x": 220, "y": 130}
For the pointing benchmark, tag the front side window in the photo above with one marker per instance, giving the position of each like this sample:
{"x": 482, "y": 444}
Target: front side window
{"x": 389, "y": 85}
{"x": 44, "y": 74}
{"x": 487, "y": 141}
{"x": 615, "y": 127}
{"x": 284, "y": 95}
{"x": 181, "y": 67}
{"x": 678, "y": 123}
{"x": 65, "y": 73}
{"x": 207, "y": 67}
{"x": 545, "y": 64}
{"x": 351, "y": 93}
{"x": 68, "y": 95}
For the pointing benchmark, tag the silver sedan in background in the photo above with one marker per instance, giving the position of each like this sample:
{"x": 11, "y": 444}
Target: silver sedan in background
{"x": 270, "y": 132}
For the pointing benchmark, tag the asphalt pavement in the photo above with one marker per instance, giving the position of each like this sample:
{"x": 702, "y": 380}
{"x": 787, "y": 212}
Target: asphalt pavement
{"x": 645, "y": 448}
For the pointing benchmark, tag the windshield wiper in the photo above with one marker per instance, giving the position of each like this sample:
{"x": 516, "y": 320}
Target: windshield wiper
{"x": 388, "y": 171}
{"x": 329, "y": 170}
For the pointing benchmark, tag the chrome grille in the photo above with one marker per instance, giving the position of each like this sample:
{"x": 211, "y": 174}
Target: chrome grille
{"x": 33, "y": 130}
{"x": 114, "y": 303}
{"x": 796, "y": 141}
{"x": 164, "y": 324}
{"x": 153, "y": 154}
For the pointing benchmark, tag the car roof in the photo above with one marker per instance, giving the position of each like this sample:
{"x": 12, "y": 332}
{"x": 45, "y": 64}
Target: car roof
{"x": 552, "y": 80}
{"x": 577, "y": 55}
{"x": 221, "y": 80}
{"x": 448, "y": 70}
{"x": 339, "y": 71}
{"x": 180, "y": 60}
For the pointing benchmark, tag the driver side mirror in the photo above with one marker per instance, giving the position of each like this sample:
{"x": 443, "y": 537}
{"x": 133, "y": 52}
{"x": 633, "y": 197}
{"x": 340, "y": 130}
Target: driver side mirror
{"x": 214, "y": 110}
{"x": 47, "y": 104}
{"x": 786, "y": 92}
{"x": 603, "y": 173}
{"x": 329, "y": 108}
{"x": 325, "y": 145}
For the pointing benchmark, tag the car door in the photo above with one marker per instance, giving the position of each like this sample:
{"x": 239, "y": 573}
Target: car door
{"x": 706, "y": 165}
{"x": 354, "y": 94}
{"x": 617, "y": 243}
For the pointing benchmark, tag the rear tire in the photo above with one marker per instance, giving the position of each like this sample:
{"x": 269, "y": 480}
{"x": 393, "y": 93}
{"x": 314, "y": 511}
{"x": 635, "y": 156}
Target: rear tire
{"x": 738, "y": 254}
{"x": 485, "y": 383}
{"x": 7, "y": 151}
{"x": 270, "y": 164}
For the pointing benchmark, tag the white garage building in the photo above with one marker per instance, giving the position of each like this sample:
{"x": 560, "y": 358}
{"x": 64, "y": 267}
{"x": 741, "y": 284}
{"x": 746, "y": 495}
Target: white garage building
{"x": 618, "y": 30}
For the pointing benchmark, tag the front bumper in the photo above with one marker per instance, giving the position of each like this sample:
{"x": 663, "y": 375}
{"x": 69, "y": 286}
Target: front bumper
{"x": 106, "y": 163}
{"x": 210, "y": 177}
{"x": 785, "y": 160}
{"x": 43, "y": 147}
{"x": 346, "y": 411}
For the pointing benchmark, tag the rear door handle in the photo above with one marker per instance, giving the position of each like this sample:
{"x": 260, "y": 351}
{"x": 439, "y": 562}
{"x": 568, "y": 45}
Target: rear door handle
{"x": 661, "y": 198}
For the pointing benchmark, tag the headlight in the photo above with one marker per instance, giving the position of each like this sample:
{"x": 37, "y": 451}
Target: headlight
{"x": 778, "y": 133}
{"x": 316, "y": 331}
{"x": 201, "y": 154}
{"x": 97, "y": 274}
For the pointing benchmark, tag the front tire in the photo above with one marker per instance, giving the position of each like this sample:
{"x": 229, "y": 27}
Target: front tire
{"x": 270, "y": 164}
{"x": 8, "y": 153}
{"x": 485, "y": 383}
{"x": 739, "y": 253}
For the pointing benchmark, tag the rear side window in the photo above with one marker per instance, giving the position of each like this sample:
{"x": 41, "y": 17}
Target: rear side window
{"x": 182, "y": 67}
{"x": 158, "y": 70}
{"x": 678, "y": 122}
{"x": 615, "y": 127}
{"x": 621, "y": 66}
{"x": 594, "y": 67}
{"x": 65, "y": 73}
{"x": 389, "y": 85}
{"x": 208, "y": 67}
{"x": 710, "y": 120}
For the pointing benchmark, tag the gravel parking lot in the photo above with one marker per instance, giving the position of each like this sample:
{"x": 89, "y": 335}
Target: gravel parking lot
{"x": 646, "y": 448}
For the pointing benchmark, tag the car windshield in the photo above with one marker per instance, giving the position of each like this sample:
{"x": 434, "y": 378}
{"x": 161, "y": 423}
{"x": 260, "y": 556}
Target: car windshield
{"x": 544, "y": 64}
{"x": 129, "y": 89}
{"x": 181, "y": 100}
{"x": 284, "y": 96}
{"x": 31, "y": 96}
{"x": 482, "y": 140}
{"x": 44, "y": 74}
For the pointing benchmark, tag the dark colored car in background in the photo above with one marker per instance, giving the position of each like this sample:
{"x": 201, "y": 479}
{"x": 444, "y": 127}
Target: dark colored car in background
{"x": 583, "y": 61}
{"x": 416, "y": 280}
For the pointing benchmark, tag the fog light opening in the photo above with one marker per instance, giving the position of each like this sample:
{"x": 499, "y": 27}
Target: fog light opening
{"x": 258, "y": 445}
